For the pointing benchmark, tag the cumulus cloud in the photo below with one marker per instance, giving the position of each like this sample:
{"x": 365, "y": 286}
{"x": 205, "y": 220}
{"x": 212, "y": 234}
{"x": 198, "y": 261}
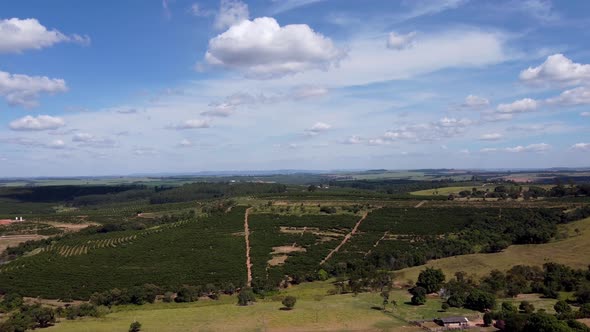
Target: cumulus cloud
{"x": 307, "y": 91}
{"x": 424, "y": 132}
{"x": 317, "y": 128}
{"x": 397, "y": 41}
{"x": 23, "y": 90}
{"x": 572, "y": 97}
{"x": 585, "y": 114}
{"x": 490, "y": 137}
{"x": 17, "y": 35}
{"x": 557, "y": 69}
{"x": 263, "y": 49}
{"x": 191, "y": 124}
{"x": 581, "y": 147}
{"x": 231, "y": 12}
{"x": 519, "y": 106}
{"x": 38, "y": 123}
{"x": 473, "y": 101}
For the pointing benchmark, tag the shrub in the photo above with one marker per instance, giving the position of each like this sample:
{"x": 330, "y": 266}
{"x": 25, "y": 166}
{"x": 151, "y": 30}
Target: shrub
{"x": 289, "y": 302}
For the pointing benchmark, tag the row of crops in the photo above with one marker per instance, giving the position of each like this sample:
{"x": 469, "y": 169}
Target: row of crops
{"x": 193, "y": 252}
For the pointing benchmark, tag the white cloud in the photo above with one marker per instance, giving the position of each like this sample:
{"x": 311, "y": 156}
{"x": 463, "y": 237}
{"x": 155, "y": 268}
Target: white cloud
{"x": 41, "y": 122}
{"x": 540, "y": 9}
{"x": 56, "y": 144}
{"x": 286, "y": 5}
{"x": 557, "y": 69}
{"x": 540, "y": 147}
{"x": 191, "y": 124}
{"x": 17, "y": 35}
{"x": 185, "y": 143}
{"x": 490, "y": 137}
{"x": 263, "y": 49}
{"x": 473, "y": 101}
{"x": 585, "y": 114}
{"x": 572, "y": 97}
{"x": 231, "y": 12}
{"x": 317, "y": 128}
{"x": 519, "y": 106}
{"x": 398, "y": 41}
{"x": 487, "y": 150}
{"x": 86, "y": 139}
{"x": 353, "y": 140}
{"x": 307, "y": 92}
{"x": 199, "y": 11}
{"x": 581, "y": 147}
{"x": 23, "y": 90}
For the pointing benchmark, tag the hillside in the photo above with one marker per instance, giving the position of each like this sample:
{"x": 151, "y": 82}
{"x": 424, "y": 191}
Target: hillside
{"x": 573, "y": 251}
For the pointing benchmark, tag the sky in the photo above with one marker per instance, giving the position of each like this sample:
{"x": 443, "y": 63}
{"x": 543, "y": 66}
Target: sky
{"x": 178, "y": 86}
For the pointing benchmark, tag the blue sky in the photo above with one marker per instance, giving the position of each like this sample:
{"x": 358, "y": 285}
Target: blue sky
{"x": 119, "y": 87}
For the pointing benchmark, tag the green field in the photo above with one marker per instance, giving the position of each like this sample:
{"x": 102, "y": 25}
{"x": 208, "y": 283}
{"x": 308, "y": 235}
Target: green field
{"x": 314, "y": 311}
{"x": 573, "y": 251}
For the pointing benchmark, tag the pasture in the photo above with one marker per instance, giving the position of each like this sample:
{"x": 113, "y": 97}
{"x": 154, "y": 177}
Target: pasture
{"x": 572, "y": 251}
{"x": 314, "y": 311}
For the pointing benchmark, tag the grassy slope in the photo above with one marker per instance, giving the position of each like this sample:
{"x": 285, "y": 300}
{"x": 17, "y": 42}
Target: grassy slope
{"x": 573, "y": 251}
{"x": 314, "y": 311}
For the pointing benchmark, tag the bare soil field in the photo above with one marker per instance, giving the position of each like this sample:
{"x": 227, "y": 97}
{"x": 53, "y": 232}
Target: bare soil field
{"x": 15, "y": 240}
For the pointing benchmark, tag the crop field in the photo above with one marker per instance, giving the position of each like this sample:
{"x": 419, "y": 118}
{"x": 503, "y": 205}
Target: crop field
{"x": 390, "y": 229}
{"x": 572, "y": 251}
{"x": 309, "y": 237}
{"x": 193, "y": 252}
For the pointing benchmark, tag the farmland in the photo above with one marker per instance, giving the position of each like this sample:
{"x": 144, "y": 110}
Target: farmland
{"x": 103, "y": 238}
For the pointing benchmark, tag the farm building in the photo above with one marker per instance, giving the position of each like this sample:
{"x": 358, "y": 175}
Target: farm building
{"x": 453, "y": 322}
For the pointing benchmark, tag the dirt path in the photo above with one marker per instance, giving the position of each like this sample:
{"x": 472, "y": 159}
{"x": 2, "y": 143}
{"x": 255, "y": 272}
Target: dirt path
{"x": 420, "y": 204}
{"x": 247, "y": 237}
{"x": 346, "y": 238}
{"x": 377, "y": 243}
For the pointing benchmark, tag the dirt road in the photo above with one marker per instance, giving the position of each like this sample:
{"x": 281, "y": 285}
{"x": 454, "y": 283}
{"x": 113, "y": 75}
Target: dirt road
{"x": 346, "y": 238}
{"x": 247, "y": 237}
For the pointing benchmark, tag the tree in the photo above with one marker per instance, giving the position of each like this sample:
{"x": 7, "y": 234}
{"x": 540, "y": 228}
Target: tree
{"x": 419, "y": 295}
{"x": 508, "y": 308}
{"x": 526, "y": 307}
{"x": 187, "y": 294}
{"x": 561, "y": 307}
{"x": 540, "y": 322}
{"x": 135, "y": 327}
{"x": 168, "y": 297}
{"x": 445, "y": 306}
{"x": 431, "y": 280}
{"x": 323, "y": 275}
{"x": 289, "y": 302}
{"x": 480, "y": 300}
{"x": 246, "y": 297}
{"x": 311, "y": 188}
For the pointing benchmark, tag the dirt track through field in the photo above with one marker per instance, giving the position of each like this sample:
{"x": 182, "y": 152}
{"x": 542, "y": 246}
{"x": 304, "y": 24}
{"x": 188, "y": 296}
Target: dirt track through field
{"x": 377, "y": 243}
{"x": 247, "y": 237}
{"x": 420, "y": 204}
{"x": 346, "y": 238}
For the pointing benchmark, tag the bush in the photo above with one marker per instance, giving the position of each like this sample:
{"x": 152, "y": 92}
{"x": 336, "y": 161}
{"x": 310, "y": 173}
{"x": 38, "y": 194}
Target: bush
{"x": 289, "y": 302}
{"x": 445, "y": 306}
{"x": 135, "y": 327}
{"x": 246, "y": 297}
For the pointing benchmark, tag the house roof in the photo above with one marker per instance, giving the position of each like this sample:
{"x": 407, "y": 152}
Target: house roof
{"x": 457, "y": 319}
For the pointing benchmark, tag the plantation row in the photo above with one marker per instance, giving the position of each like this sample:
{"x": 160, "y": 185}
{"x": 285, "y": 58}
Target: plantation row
{"x": 194, "y": 252}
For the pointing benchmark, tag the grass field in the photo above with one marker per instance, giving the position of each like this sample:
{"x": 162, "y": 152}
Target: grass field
{"x": 314, "y": 311}
{"x": 573, "y": 251}
{"x": 444, "y": 191}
